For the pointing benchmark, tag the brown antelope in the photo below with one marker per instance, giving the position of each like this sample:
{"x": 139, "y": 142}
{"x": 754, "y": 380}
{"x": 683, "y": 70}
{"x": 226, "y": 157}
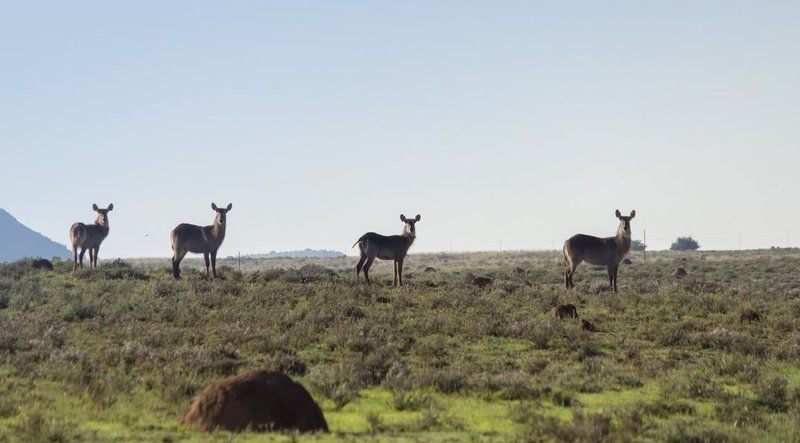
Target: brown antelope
{"x": 205, "y": 240}
{"x": 89, "y": 237}
{"x": 393, "y": 247}
{"x": 607, "y": 252}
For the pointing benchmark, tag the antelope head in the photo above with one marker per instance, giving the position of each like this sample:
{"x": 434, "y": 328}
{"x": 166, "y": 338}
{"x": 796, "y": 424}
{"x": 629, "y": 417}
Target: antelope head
{"x": 625, "y": 223}
{"x": 102, "y": 214}
{"x": 221, "y": 213}
{"x": 410, "y": 225}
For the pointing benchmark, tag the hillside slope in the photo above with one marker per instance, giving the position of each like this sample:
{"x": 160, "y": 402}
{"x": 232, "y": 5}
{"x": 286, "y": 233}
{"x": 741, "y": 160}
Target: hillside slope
{"x": 19, "y": 241}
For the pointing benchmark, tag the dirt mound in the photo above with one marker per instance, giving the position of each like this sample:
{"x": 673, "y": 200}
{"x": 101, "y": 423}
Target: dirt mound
{"x": 679, "y": 273}
{"x": 749, "y": 315}
{"x": 42, "y": 263}
{"x": 568, "y": 310}
{"x": 627, "y": 261}
{"x": 518, "y": 272}
{"x": 482, "y": 282}
{"x": 256, "y": 400}
{"x": 586, "y": 325}
{"x": 430, "y": 269}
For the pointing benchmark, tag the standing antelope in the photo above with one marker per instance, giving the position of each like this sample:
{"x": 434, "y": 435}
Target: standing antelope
{"x": 607, "y": 252}
{"x": 393, "y": 247}
{"x": 89, "y": 237}
{"x": 199, "y": 239}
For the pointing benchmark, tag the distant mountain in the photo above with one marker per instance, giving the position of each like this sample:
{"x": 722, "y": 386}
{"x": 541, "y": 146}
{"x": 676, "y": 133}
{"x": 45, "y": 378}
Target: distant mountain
{"x": 305, "y": 253}
{"x": 18, "y": 241}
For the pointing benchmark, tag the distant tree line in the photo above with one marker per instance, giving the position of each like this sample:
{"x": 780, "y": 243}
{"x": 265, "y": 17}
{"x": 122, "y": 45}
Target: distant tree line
{"x": 680, "y": 244}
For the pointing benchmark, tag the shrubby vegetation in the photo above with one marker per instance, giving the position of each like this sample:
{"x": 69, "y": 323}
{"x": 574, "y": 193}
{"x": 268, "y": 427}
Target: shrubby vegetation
{"x": 684, "y": 244}
{"x": 117, "y": 353}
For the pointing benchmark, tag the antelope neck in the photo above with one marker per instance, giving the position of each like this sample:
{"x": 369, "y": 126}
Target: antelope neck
{"x": 410, "y": 237}
{"x": 218, "y": 228}
{"x": 622, "y": 236}
{"x": 100, "y": 224}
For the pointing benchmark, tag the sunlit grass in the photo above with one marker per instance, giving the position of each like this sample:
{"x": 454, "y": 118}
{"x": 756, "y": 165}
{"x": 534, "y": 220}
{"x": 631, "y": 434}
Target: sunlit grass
{"x": 117, "y": 353}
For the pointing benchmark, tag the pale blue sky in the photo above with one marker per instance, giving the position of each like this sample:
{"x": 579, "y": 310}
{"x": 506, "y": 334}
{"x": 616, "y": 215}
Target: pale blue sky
{"x": 519, "y": 122}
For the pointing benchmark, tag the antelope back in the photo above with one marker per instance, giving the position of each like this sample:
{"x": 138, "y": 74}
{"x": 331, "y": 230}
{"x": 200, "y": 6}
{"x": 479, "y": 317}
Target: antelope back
{"x": 195, "y": 238}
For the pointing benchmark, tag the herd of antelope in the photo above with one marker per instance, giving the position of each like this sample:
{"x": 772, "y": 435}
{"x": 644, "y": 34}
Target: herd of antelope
{"x": 206, "y": 240}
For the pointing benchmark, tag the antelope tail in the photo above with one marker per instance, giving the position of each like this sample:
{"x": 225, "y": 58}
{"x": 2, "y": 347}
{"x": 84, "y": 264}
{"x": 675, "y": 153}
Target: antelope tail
{"x": 79, "y": 230}
{"x": 360, "y": 240}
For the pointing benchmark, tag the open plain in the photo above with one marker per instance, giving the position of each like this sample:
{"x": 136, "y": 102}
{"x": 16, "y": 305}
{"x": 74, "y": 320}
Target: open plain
{"x": 118, "y": 352}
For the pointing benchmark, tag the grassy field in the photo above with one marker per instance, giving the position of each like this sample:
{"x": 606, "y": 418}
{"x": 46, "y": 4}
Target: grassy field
{"x": 118, "y": 353}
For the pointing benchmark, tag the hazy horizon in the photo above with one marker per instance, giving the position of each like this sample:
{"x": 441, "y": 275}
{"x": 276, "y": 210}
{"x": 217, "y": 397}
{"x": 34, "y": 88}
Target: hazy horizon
{"x": 506, "y": 125}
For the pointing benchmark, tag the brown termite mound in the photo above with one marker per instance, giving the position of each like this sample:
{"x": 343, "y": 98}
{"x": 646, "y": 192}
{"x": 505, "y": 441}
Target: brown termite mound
{"x": 482, "y": 282}
{"x": 565, "y": 311}
{"x": 679, "y": 273}
{"x": 588, "y": 326}
{"x": 749, "y": 315}
{"x": 257, "y": 401}
{"x": 42, "y": 264}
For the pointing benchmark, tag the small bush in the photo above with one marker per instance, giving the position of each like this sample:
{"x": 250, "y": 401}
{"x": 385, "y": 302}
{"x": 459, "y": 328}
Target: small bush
{"x": 583, "y": 428}
{"x": 410, "y": 401}
{"x": 684, "y": 244}
{"x": 771, "y": 393}
{"x": 335, "y": 384}
{"x": 564, "y": 399}
{"x": 693, "y": 431}
{"x": 7, "y": 408}
{"x": 287, "y": 364}
{"x": 120, "y": 270}
{"x": 449, "y": 382}
{"x": 374, "y": 422}
{"x": 693, "y": 384}
{"x": 80, "y": 310}
{"x": 740, "y": 412}
{"x": 35, "y": 427}
{"x": 665, "y": 408}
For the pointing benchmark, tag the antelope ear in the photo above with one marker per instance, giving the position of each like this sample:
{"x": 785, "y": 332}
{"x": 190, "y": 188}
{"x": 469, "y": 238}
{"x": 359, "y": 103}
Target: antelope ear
{"x": 418, "y": 217}
{"x": 111, "y": 206}
{"x": 94, "y": 206}
{"x": 230, "y": 206}
{"x": 214, "y": 206}
{"x": 402, "y": 218}
{"x": 619, "y": 214}
{"x": 633, "y": 213}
